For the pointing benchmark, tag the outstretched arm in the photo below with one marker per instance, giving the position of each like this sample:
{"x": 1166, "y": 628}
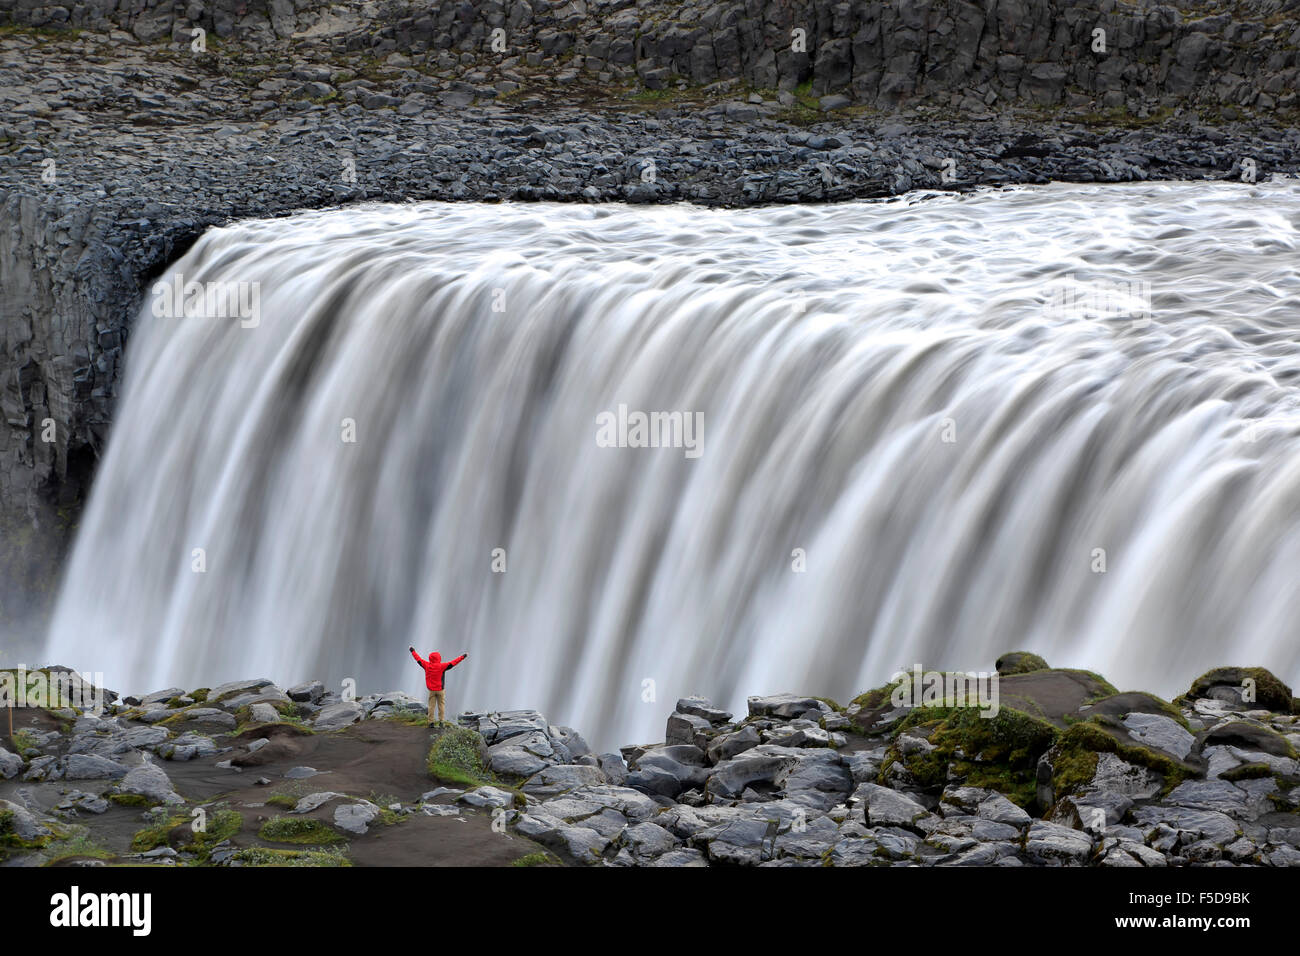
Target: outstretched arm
{"x": 458, "y": 660}
{"x": 418, "y": 659}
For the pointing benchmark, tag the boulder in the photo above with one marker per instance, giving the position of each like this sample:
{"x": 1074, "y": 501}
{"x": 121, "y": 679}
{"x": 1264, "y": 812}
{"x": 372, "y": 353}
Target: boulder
{"x": 1246, "y": 688}
{"x": 488, "y": 798}
{"x": 1051, "y": 844}
{"x": 161, "y": 696}
{"x": 91, "y": 767}
{"x": 338, "y": 716}
{"x": 787, "y": 706}
{"x": 314, "y": 801}
{"x": 10, "y": 764}
{"x": 207, "y": 718}
{"x": 235, "y": 688}
{"x": 1161, "y": 732}
{"x": 702, "y": 707}
{"x": 725, "y": 746}
{"x": 355, "y": 818}
{"x": 263, "y": 714}
{"x": 309, "y": 692}
{"x": 552, "y": 781}
{"x": 152, "y": 783}
{"x": 883, "y": 807}
{"x": 23, "y": 822}
{"x": 685, "y": 728}
{"x": 1019, "y": 662}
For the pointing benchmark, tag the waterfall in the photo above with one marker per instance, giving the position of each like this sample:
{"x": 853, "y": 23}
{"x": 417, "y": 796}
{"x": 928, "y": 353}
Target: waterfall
{"x": 931, "y": 429}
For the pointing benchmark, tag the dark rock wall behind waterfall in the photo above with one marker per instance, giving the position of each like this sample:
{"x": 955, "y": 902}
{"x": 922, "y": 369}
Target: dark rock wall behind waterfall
{"x": 879, "y": 53}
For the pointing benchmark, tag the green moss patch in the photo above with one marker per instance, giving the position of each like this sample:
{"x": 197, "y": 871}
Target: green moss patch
{"x": 1247, "y": 771}
{"x": 536, "y": 859}
{"x": 160, "y": 834}
{"x": 457, "y": 757}
{"x": 1134, "y": 702}
{"x": 1269, "y": 692}
{"x": 266, "y": 856}
{"x": 1019, "y": 662}
{"x": 298, "y": 830}
{"x": 1074, "y": 757}
{"x": 1000, "y": 753}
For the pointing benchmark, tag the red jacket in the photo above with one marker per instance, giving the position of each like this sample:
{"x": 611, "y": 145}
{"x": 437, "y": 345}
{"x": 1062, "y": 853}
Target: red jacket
{"x": 434, "y": 668}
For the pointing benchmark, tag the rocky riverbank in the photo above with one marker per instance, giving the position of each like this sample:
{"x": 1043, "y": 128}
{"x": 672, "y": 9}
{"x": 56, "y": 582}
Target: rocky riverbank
{"x": 1065, "y": 771}
{"x": 125, "y": 135}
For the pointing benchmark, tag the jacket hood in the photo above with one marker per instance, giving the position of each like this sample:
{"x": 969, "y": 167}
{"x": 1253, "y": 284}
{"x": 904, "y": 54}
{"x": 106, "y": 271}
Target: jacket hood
{"x": 435, "y": 657}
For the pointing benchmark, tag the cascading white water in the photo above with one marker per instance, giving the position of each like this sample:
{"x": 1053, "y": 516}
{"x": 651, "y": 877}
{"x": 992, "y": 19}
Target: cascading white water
{"x": 929, "y": 396}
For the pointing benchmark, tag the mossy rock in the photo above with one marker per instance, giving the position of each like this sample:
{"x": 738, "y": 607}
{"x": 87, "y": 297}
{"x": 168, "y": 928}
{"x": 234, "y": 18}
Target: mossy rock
{"x": 1247, "y": 771}
{"x": 459, "y": 755}
{"x": 1019, "y": 662}
{"x": 999, "y": 753}
{"x": 1074, "y": 757}
{"x": 1248, "y": 736}
{"x": 1229, "y": 684}
{"x": 298, "y": 830}
{"x": 163, "y": 833}
{"x": 267, "y": 856}
{"x": 1133, "y": 702}
{"x": 1057, "y": 695}
{"x": 872, "y": 705}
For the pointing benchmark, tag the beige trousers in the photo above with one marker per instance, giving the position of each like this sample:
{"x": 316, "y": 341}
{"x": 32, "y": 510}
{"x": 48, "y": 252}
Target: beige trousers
{"x": 437, "y": 697}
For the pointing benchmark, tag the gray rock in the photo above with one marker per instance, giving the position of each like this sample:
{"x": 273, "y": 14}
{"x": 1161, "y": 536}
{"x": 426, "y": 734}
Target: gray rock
{"x": 209, "y": 718}
{"x": 235, "y": 688}
{"x": 515, "y": 760}
{"x": 263, "y": 714}
{"x": 162, "y": 696}
{"x": 683, "y": 857}
{"x": 702, "y": 707}
{"x": 25, "y": 824}
{"x": 787, "y": 706}
{"x": 1054, "y": 845}
{"x": 685, "y": 728}
{"x": 725, "y": 746}
{"x": 355, "y": 818}
{"x": 337, "y": 716}
{"x": 309, "y": 692}
{"x": 614, "y": 768}
{"x": 10, "y": 764}
{"x": 1160, "y": 732}
{"x": 1200, "y": 824}
{"x": 551, "y": 781}
{"x": 1116, "y": 775}
{"x": 488, "y": 798}
{"x": 888, "y": 808}
{"x": 314, "y": 801}
{"x": 91, "y": 767}
{"x": 152, "y": 783}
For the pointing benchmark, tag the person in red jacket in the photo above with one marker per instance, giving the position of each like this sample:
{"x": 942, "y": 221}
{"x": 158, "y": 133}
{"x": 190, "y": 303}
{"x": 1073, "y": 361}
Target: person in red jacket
{"x": 434, "y": 668}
